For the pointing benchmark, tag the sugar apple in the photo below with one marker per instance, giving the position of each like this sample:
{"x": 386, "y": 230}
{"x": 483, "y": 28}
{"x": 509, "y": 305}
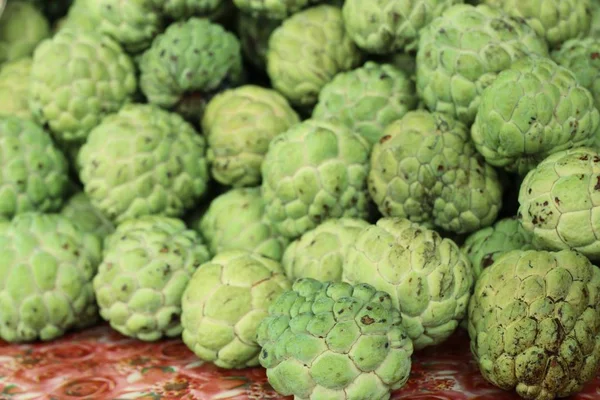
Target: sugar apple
{"x": 14, "y": 88}
{"x": 183, "y": 9}
{"x": 22, "y": 27}
{"x": 148, "y": 262}
{"x": 246, "y": 228}
{"x": 426, "y": 169}
{"x": 367, "y": 99}
{"x": 559, "y": 202}
{"x": 225, "y": 302}
{"x": 254, "y": 34}
{"x": 143, "y": 160}
{"x": 534, "y": 323}
{"x": 46, "y": 273}
{"x": 316, "y": 332}
{"x": 313, "y": 172}
{"x": 80, "y": 211}
{"x": 307, "y": 50}
{"x": 428, "y": 277}
{"x": 533, "y": 109}
{"x": 238, "y": 125}
{"x": 388, "y": 26}
{"x": 189, "y": 63}
{"x": 486, "y": 245}
{"x": 273, "y": 9}
{"x": 321, "y": 253}
{"x": 461, "y": 52}
{"x": 34, "y": 173}
{"x": 77, "y": 78}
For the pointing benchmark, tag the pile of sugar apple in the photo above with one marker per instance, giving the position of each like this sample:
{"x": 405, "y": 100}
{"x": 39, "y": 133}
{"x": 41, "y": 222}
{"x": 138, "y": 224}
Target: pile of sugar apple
{"x": 318, "y": 187}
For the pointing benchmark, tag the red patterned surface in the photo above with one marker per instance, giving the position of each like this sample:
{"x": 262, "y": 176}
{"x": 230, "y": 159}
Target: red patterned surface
{"x": 99, "y": 364}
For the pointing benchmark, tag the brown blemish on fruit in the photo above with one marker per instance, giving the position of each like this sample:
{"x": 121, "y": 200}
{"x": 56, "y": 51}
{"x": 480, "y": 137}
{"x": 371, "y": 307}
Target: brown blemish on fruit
{"x": 367, "y": 320}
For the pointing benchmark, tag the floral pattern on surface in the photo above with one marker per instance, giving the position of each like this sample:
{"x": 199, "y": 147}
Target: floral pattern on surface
{"x": 99, "y": 363}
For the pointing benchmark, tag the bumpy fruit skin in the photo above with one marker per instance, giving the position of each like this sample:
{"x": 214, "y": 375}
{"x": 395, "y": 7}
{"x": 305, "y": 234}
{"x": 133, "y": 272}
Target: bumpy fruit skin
{"x": 317, "y": 332}
{"x": 367, "y": 99}
{"x": 426, "y": 169}
{"x": 300, "y": 64}
{"x": 46, "y": 277}
{"x": 461, "y": 52}
{"x": 182, "y": 9}
{"x": 22, "y": 27}
{"x": 236, "y": 220}
{"x": 80, "y": 211}
{"x": 147, "y": 265}
{"x": 555, "y": 20}
{"x": 559, "y": 202}
{"x": 273, "y": 9}
{"x": 223, "y": 305}
{"x": 428, "y": 277}
{"x": 321, "y": 253}
{"x": 188, "y": 63}
{"x": 34, "y": 174}
{"x": 486, "y": 245}
{"x": 14, "y": 88}
{"x": 238, "y": 125}
{"x": 77, "y": 78}
{"x": 534, "y": 323}
{"x": 313, "y": 172}
{"x": 533, "y": 109}
{"x": 143, "y": 160}
{"x": 254, "y": 34}
{"x": 388, "y": 26}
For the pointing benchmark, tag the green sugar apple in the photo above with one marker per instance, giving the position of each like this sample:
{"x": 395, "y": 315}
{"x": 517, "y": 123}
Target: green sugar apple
{"x": 367, "y": 99}
{"x": 143, "y": 160}
{"x": 307, "y": 50}
{"x": 314, "y": 336}
{"x": 428, "y": 277}
{"x": 461, "y": 52}
{"x": 273, "y": 9}
{"x": 245, "y": 228}
{"x": 254, "y": 34}
{"x": 534, "y": 323}
{"x": 147, "y": 264}
{"x": 77, "y": 78}
{"x": 559, "y": 202}
{"x": 34, "y": 174}
{"x": 533, "y": 109}
{"x": 80, "y": 211}
{"x": 238, "y": 125}
{"x": 188, "y": 63}
{"x": 14, "y": 88}
{"x": 225, "y": 301}
{"x": 387, "y": 26}
{"x": 426, "y": 169}
{"x": 22, "y": 27}
{"x": 321, "y": 253}
{"x": 315, "y": 171}
{"x": 183, "y": 9}
{"x": 46, "y": 273}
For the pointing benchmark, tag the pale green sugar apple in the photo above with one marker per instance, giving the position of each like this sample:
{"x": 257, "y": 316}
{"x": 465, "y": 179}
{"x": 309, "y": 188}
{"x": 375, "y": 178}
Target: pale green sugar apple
{"x": 559, "y": 202}
{"x": 554, "y": 20}
{"x": 189, "y": 63}
{"x": 238, "y": 125}
{"x": 80, "y": 211}
{"x": 143, "y": 160}
{"x": 534, "y": 323}
{"x": 254, "y": 34}
{"x": 46, "y": 273}
{"x": 426, "y": 169}
{"x": 148, "y": 263}
{"x": 428, "y": 277}
{"x": 22, "y": 27}
{"x": 273, "y": 9}
{"x": 321, "y": 252}
{"x": 533, "y": 109}
{"x": 582, "y": 57}
{"x": 235, "y": 220}
{"x": 14, "y": 88}
{"x": 34, "y": 174}
{"x": 225, "y": 301}
{"x": 367, "y": 99}
{"x": 461, "y": 52}
{"x": 314, "y": 337}
{"x": 307, "y": 50}
{"x": 387, "y": 26}
{"x": 182, "y": 9}
{"x": 77, "y": 78}
{"x": 486, "y": 245}
{"x": 313, "y": 172}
